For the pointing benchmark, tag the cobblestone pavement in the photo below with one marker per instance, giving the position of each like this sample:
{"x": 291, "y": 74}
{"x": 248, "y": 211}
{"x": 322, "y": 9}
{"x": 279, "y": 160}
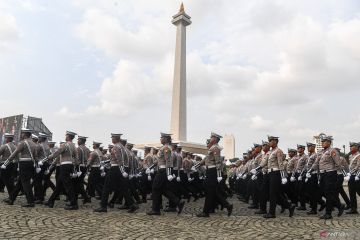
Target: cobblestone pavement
{"x": 44, "y": 223}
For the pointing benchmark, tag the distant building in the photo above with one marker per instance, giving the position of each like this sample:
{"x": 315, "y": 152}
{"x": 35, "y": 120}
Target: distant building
{"x": 14, "y": 124}
{"x": 317, "y": 141}
{"x": 229, "y": 146}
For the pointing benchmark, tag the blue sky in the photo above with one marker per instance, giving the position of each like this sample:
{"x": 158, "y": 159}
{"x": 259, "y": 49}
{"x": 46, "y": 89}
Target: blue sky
{"x": 287, "y": 68}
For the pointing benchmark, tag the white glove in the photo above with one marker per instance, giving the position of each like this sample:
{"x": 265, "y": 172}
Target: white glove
{"x": 292, "y": 179}
{"x": 38, "y": 170}
{"x": 178, "y": 179}
{"x": 139, "y": 175}
{"x": 347, "y": 178}
{"x": 308, "y": 175}
{"x": 149, "y": 177}
{"x": 47, "y": 172}
{"x": 152, "y": 171}
{"x": 103, "y": 174}
{"x": 131, "y": 176}
{"x": 78, "y": 174}
{"x": 357, "y": 178}
{"x": 348, "y": 174}
{"x": 40, "y": 163}
{"x": 72, "y": 175}
{"x": 253, "y": 177}
{"x": 3, "y": 166}
{"x": 253, "y": 171}
{"x": 125, "y": 175}
{"x": 147, "y": 171}
{"x": 190, "y": 179}
{"x": 300, "y": 178}
{"x": 283, "y": 181}
{"x": 219, "y": 179}
{"x": 306, "y": 179}
{"x": 102, "y": 168}
{"x": 193, "y": 168}
{"x": 201, "y": 178}
{"x": 170, "y": 178}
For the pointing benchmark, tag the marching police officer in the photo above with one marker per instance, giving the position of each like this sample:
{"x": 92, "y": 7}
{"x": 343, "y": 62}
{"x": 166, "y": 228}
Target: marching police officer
{"x": 27, "y": 162}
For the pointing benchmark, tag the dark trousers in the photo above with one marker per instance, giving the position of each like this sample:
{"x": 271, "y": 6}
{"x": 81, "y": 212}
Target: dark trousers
{"x": 340, "y": 189}
{"x": 313, "y": 192}
{"x": 38, "y": 184}
{"x": 328, "y": 186}
{"x": 353, "y": 190}
{"x": 133, "y": 186}
{"x": 300, "y": 190}
{"x": 212, "y": 194}
{"x": 115, "y": 182}
{"x": 95, "y": 182}
{"x": 66, "y": 183}
{"x": 79, "y": 184}
{"x": 47, "y": 181}
{"x": 275, "y": 194}
{"x": 26, "y": 174}
{"x": 7, "y": 178}
{"x": 161, "y": 187}
{"x": 264, "y": 192}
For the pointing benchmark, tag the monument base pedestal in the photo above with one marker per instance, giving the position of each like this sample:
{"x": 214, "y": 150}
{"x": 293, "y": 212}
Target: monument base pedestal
{"x": 196, "y": 148}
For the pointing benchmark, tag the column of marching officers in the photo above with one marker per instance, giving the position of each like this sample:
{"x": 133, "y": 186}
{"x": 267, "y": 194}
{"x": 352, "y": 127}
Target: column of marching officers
{"x": 118, "y": 176}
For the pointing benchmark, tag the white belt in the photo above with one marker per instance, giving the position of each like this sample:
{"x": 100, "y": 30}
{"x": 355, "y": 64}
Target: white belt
{"x": 66, "y": 162}
{"x": 314, "y": 172}
{"x": 95, "y": 165}
{"x": 211, "y": 166}
{"x": 162, "y": 166}
{"x": 289, "y": 172}
{"x": 298, "y": 171}
{"x": 25, "y": 159}
{"x": 175, "y": 168}
{"x": 82, "y": 165}
{"x": 273, "y": 169}
{"x": 114, "y": 165}
{"x": 181, "y": 169}
{"x": 325, "y": 171}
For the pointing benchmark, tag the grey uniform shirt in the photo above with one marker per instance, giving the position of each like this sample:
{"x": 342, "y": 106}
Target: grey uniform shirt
{"x": 164, "y": 156}
{"x": 95, "y": 158}
{"x": 67, "y": 153}
{"x": 118, "y": 154}
{"x": 43, "y": 150}
{"x": 301, "y": 163}
{"x": 6, "y": 150}
{"x": 354, "y": 160}
{"x": 276, "y": 159}
{"x": 328, "y": 160}
{"x": 83, "y": 154}
{"x": 26, "y": 149}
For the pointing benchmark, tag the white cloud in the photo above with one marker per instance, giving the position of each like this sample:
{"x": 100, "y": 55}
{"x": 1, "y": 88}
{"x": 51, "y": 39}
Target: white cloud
{"x": 9, "y": 30}
{"x": 258, "y": 123}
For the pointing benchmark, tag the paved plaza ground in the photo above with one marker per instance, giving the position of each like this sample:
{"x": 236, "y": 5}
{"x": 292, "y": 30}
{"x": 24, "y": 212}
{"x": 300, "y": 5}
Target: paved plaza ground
{"x": 44, "y": 223}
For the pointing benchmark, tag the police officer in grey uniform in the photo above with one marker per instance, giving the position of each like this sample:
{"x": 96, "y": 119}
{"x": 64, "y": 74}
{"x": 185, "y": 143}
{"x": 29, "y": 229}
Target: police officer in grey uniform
{"x": 5, "y": 151}
{"x": 95, "y": 180}
{"x": 27, "y": 157}
{"x": 83, "y": 155}
{"x": 161, "y": 184}
{"x": 327, "y": 162}
{"x": 353, "y": 176}
{"x": 277, "y": 176}
{"x": 213, "y": 178}
{"x": 116, "y": 177}
{"x": 68, "y": 158}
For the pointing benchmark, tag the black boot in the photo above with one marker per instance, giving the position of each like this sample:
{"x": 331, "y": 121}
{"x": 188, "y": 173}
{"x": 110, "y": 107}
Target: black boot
{"x": 100, "y": 210}
{"x": 203, "y": 215}
{"x": 326, "y": 216}
{"x": 181, "y": 206}
{"x": 152, "y": 212}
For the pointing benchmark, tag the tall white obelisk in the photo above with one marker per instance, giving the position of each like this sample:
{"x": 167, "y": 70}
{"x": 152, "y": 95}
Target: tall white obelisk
{"x": 178, "y": 114}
